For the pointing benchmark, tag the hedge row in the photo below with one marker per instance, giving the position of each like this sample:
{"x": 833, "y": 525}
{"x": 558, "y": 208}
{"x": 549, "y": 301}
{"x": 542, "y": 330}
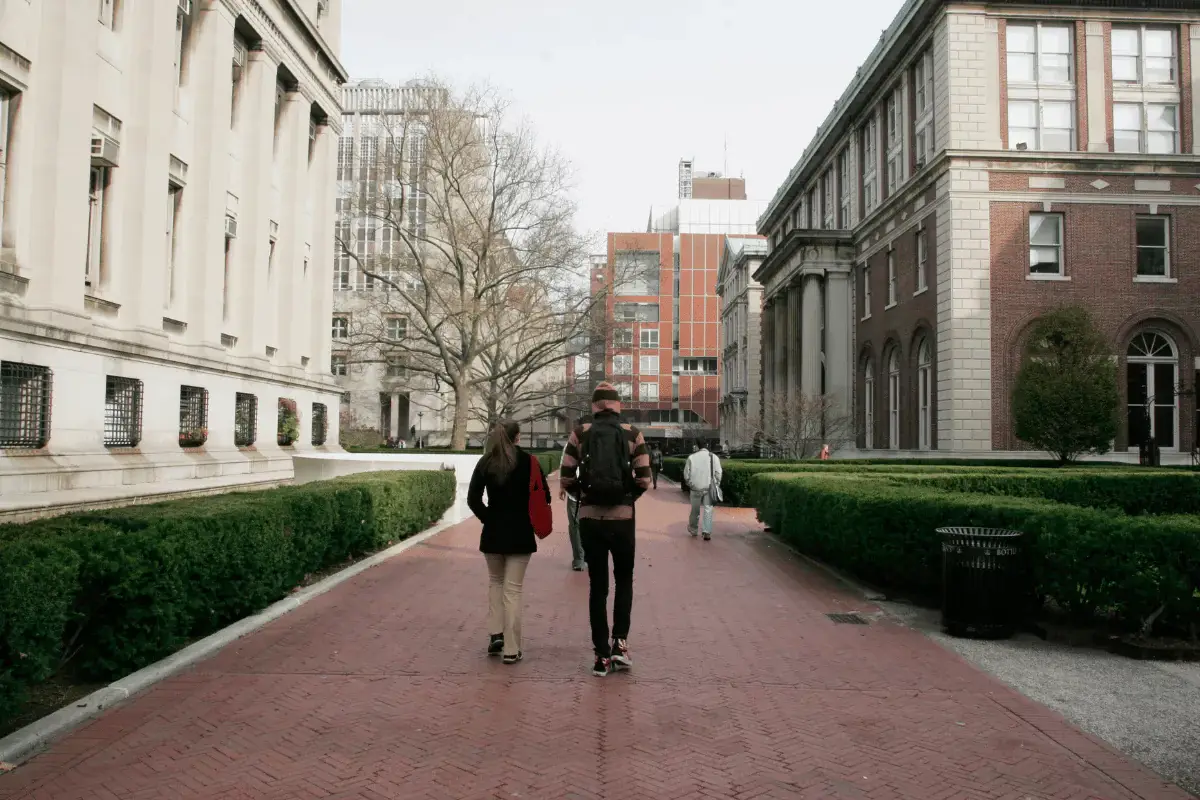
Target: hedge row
{"x": 1089, "y": 561}
{"x": 112, "y": 591}
{"x": 549, "y": 459}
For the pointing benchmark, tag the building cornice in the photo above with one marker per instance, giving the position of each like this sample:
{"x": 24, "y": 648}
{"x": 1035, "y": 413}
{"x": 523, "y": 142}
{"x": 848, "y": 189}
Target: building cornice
{"x": 796, "y": 243}
{"x": 314, "y": 36}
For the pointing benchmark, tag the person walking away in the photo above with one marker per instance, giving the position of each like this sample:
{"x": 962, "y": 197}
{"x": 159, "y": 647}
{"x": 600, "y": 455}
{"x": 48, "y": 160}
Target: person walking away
{"x": 607, "y": 467}
{"x": 578, "y": 562}
{"x": 656, "y": 464}
{"x": 702, "y": 473}
{"x": 508, "y": 539}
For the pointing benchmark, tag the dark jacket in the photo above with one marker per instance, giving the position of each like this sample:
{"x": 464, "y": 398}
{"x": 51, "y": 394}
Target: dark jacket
{"x": 506, "y": 526}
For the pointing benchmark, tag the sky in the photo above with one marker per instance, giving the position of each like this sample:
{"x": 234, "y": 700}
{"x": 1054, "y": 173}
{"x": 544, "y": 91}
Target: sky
{"x": 625, "y": 88}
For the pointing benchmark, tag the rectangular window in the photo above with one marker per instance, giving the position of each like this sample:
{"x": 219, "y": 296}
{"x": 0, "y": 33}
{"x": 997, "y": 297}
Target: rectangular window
{"x": 5, "y": 111}
{"x": 895, "y": 139}
{"x": 870, "y": 166}
{"x": 1047, "y": 125}
{"x": 241, "y": 51}
{"x": 25, "y": 391}
{"x": 624, "y": 389}
{"x": 174, "y": 196}
{"x": 1144, "y": 56}
{"x": 245, "y": 419}
{"x": 698, "y": 366}
{"x": 396, "y": 368}
{"x": 623, "y": 338}
{"x": 924, "y": 100}
{"x": 193, "y": 416}
{"x": 337, "y": 364}
{"x": 828, "y": 207}
{"x": 922, "y": 273}
{"x": 105, "y": 15}
{"x": 345, "y": 162}
{"x": 1153, "y": 247}
{"x": 397, "y": 328}
{"x": 844, "y": 189}
{"x": 341, "y": 326}
{"x": 648, "y": 392}
{"x": 891, "y": 276}
{"x": 226, "y": 285}
{"x": 1039, "y": 53}
{"x": 1045, "y": 244}
{"x": 622, "y": 365}
{"x": 648, "y": 365}
{"x": 637, "y": 273}
{"x": 320, "y": 424}
{"x": 122, "y": 411}
{"x": 182, "y": 26}
{"x": 1145, "y": 128}
{"x": 649, "y": 338}
{"x": 866, "y": 294}
{"x": 635, "y": 312}
{"x": 97, "y": 211}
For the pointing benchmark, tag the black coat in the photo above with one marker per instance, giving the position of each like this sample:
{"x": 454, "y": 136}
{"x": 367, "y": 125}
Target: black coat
{"x": 507, "y": 529}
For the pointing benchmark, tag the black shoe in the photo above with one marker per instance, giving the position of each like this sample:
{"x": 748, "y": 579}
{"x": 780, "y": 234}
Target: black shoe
{"x": 602, "y": 667}
{"x": 514, "y": 658}
{"x": 620, "y": 655}
{"x": 496, "y": 644}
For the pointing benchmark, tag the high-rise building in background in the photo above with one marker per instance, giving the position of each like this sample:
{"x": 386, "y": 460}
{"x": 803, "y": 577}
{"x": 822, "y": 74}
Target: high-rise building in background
{"x": 166, "y": 175}
{"x": 661, "y": 330}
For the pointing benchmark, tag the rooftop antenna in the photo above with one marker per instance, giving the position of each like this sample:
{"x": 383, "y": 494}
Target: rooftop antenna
{"x": 725, "y": 157}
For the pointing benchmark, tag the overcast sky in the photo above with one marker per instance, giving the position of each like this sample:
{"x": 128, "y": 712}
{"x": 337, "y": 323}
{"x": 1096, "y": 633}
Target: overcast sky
{"x": 625, "y": 88}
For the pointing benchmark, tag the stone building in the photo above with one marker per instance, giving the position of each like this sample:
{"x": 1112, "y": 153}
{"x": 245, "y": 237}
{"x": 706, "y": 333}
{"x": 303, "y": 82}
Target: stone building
{"x": 741, "y": 350}
{"x": 153, "y": 326}
{"x": 990, "y": 163}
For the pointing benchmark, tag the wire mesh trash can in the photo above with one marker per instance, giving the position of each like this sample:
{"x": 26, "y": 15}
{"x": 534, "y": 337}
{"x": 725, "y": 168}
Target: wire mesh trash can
{"x": 983, "y": 578}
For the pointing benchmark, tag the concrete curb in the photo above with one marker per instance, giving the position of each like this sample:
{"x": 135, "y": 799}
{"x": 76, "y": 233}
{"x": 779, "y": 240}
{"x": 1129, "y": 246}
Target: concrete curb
{"x": 22, "y": 744}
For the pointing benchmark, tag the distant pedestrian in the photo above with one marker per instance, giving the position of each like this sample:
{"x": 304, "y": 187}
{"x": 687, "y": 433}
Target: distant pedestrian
{"x": 607, "y": 466}
{"x": 578, "y": 562}
{"x": 656, "y": 464}
{"x": 824, "y": 452}
{"x": 702, "y": 474}
{"x": 508, "y": 539}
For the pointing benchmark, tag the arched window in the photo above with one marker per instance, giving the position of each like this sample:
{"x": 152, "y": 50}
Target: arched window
{"x": 869, "y": 404}
{"x": 1152, "y": 380}
{"x": 894, "y": 400}
{"x": 924, "y": 392}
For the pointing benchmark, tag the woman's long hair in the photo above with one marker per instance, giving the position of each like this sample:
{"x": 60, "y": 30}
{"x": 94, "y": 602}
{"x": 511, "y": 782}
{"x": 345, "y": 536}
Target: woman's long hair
{"x": 500, "y": 452}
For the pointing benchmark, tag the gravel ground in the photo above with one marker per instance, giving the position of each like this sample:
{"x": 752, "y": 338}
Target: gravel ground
{"x": 1147, "y": 710}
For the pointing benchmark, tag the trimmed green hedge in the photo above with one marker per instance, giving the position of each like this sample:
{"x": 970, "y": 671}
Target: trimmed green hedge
{"x": 112, "y": 591}
{"x": 1091, "y": 562}
{"x": 549, "y": 459}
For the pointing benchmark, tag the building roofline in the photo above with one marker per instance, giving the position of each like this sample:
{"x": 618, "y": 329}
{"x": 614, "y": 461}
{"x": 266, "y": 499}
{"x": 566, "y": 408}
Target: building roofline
{"x": 792, "y": 242}
{"x": 323, "y": 49}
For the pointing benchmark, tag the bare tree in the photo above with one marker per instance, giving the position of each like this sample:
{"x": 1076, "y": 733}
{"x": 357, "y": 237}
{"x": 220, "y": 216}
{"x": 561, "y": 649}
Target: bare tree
{"x": 464, "y": 227}
{"x": 798, "y": 427}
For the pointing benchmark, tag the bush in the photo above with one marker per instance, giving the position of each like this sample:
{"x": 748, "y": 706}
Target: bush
{"x": 1131, "y": 492}
{"x": 1090, "y": 562}
{"x": 131, "y": 585}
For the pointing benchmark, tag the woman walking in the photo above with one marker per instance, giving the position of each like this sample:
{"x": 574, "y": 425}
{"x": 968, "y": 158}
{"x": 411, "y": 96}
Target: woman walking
{"x": 508, "y": 538}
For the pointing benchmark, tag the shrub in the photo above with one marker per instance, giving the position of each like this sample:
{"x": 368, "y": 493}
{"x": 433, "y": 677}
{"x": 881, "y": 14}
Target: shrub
{"x": 1132, "y": 492}
{"x": 1065, "y": 397}
{"x": 129, "y": 586}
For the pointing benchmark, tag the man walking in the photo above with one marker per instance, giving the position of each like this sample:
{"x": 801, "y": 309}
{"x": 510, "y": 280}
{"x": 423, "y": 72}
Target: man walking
{"x": 702, "y": 474}
{"x": 577, "y": 556}
{"x": 607, "y": 467}
{"x": 656, "y": 464}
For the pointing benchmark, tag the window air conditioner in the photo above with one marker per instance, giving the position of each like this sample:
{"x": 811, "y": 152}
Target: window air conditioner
{"x": 230, "y": 227}
{"x": 105, "y": 152}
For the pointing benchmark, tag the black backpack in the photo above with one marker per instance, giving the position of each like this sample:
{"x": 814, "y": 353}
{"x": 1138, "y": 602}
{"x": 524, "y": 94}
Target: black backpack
{"x": 605, "y": 469}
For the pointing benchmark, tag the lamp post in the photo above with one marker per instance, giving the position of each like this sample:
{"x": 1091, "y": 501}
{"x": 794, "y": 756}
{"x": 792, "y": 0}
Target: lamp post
{"x": 420, "y": 427}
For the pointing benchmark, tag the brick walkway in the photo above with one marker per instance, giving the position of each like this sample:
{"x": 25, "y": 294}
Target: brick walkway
{"x": 743, "y": 689}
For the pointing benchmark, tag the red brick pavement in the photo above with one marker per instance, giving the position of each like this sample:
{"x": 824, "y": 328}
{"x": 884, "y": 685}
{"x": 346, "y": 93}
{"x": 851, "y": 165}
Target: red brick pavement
{"x": 742, "y": 689}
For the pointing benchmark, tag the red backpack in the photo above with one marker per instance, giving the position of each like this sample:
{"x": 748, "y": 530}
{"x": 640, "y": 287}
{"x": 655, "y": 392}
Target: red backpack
{"x": 540, "y": 512}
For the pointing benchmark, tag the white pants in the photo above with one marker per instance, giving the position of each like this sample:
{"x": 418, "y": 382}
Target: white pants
{"x": 506, "y": 577}
{"x": 701, "y": 517}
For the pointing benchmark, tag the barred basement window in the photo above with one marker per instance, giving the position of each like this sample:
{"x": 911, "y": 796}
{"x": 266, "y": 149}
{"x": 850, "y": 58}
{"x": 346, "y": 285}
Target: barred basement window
{"x": 320, "y": 424}
{"x": 122, "y": 412}
{"x": 193, "y": 416}
{"x": 24, "y": 405}
{"x": 245, "y": 419}
{"x": 288, "y": 430}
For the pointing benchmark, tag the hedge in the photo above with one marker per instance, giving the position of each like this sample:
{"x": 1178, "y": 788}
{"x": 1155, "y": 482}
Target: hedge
{"x": 1089, "y": 561}
{"x": 549, "y": 459}
{"x": 112, "y": 591}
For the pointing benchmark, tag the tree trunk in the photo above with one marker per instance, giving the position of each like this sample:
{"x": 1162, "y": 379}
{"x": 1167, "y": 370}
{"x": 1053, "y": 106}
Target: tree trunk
{"x": 462, "y": 418}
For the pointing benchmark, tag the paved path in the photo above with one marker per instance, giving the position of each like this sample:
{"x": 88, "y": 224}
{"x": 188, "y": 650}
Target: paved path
{"x": 743, "y": 689}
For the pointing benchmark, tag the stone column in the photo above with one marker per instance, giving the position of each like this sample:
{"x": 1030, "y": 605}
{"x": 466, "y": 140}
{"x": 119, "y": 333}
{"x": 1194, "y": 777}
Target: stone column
{"x": 795, "y": 343}
{"x": 782, "y": 347}
{"x": 810, "y": 376}
{"x": 767, "y": 361}
{"x": 839, "y": 358}
{"x": 394, "y": 417}
{"x": 1097, "y": 99}
{"x": 1195, "y": 78}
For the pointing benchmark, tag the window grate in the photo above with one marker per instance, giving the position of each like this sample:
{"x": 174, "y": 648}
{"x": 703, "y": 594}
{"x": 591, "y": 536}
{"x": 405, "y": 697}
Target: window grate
{"x": 25, "y": 391}
{"x": 245, "y": 420}
{"x": 288, "y": 430}
{"x": 193, "y": 416}
{"x": 122, "y": 412}
{"x": 320, "y": 424}
{"x": 847, "y": 619}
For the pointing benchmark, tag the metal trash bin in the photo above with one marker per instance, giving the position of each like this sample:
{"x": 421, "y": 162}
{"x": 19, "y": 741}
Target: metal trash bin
{"x": 983, "y": 576}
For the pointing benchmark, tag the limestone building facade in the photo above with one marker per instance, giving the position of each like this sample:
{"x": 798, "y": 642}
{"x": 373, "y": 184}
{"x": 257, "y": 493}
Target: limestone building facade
{"x": 990, "y": 163}
{"x": 741, "y": 343}
{"x": 167, "y": 181}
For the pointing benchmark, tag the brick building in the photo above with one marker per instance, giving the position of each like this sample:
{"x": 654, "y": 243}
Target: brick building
{"x": 662, "y": 343}
{"x": 990, "y": 163}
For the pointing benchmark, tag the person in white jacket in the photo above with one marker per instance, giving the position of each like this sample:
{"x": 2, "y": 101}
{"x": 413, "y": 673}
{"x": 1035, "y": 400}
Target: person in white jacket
{"x": 702, "y": 474}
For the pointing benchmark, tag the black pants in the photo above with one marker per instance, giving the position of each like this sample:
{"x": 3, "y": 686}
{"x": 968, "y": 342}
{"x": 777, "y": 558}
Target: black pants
{"x": 601, "y": 537}
{"x": 654, "y": 474}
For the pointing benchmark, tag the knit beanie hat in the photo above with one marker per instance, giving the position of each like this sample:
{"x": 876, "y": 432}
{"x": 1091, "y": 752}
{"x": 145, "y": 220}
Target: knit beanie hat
{"x": 606, "y": 398}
